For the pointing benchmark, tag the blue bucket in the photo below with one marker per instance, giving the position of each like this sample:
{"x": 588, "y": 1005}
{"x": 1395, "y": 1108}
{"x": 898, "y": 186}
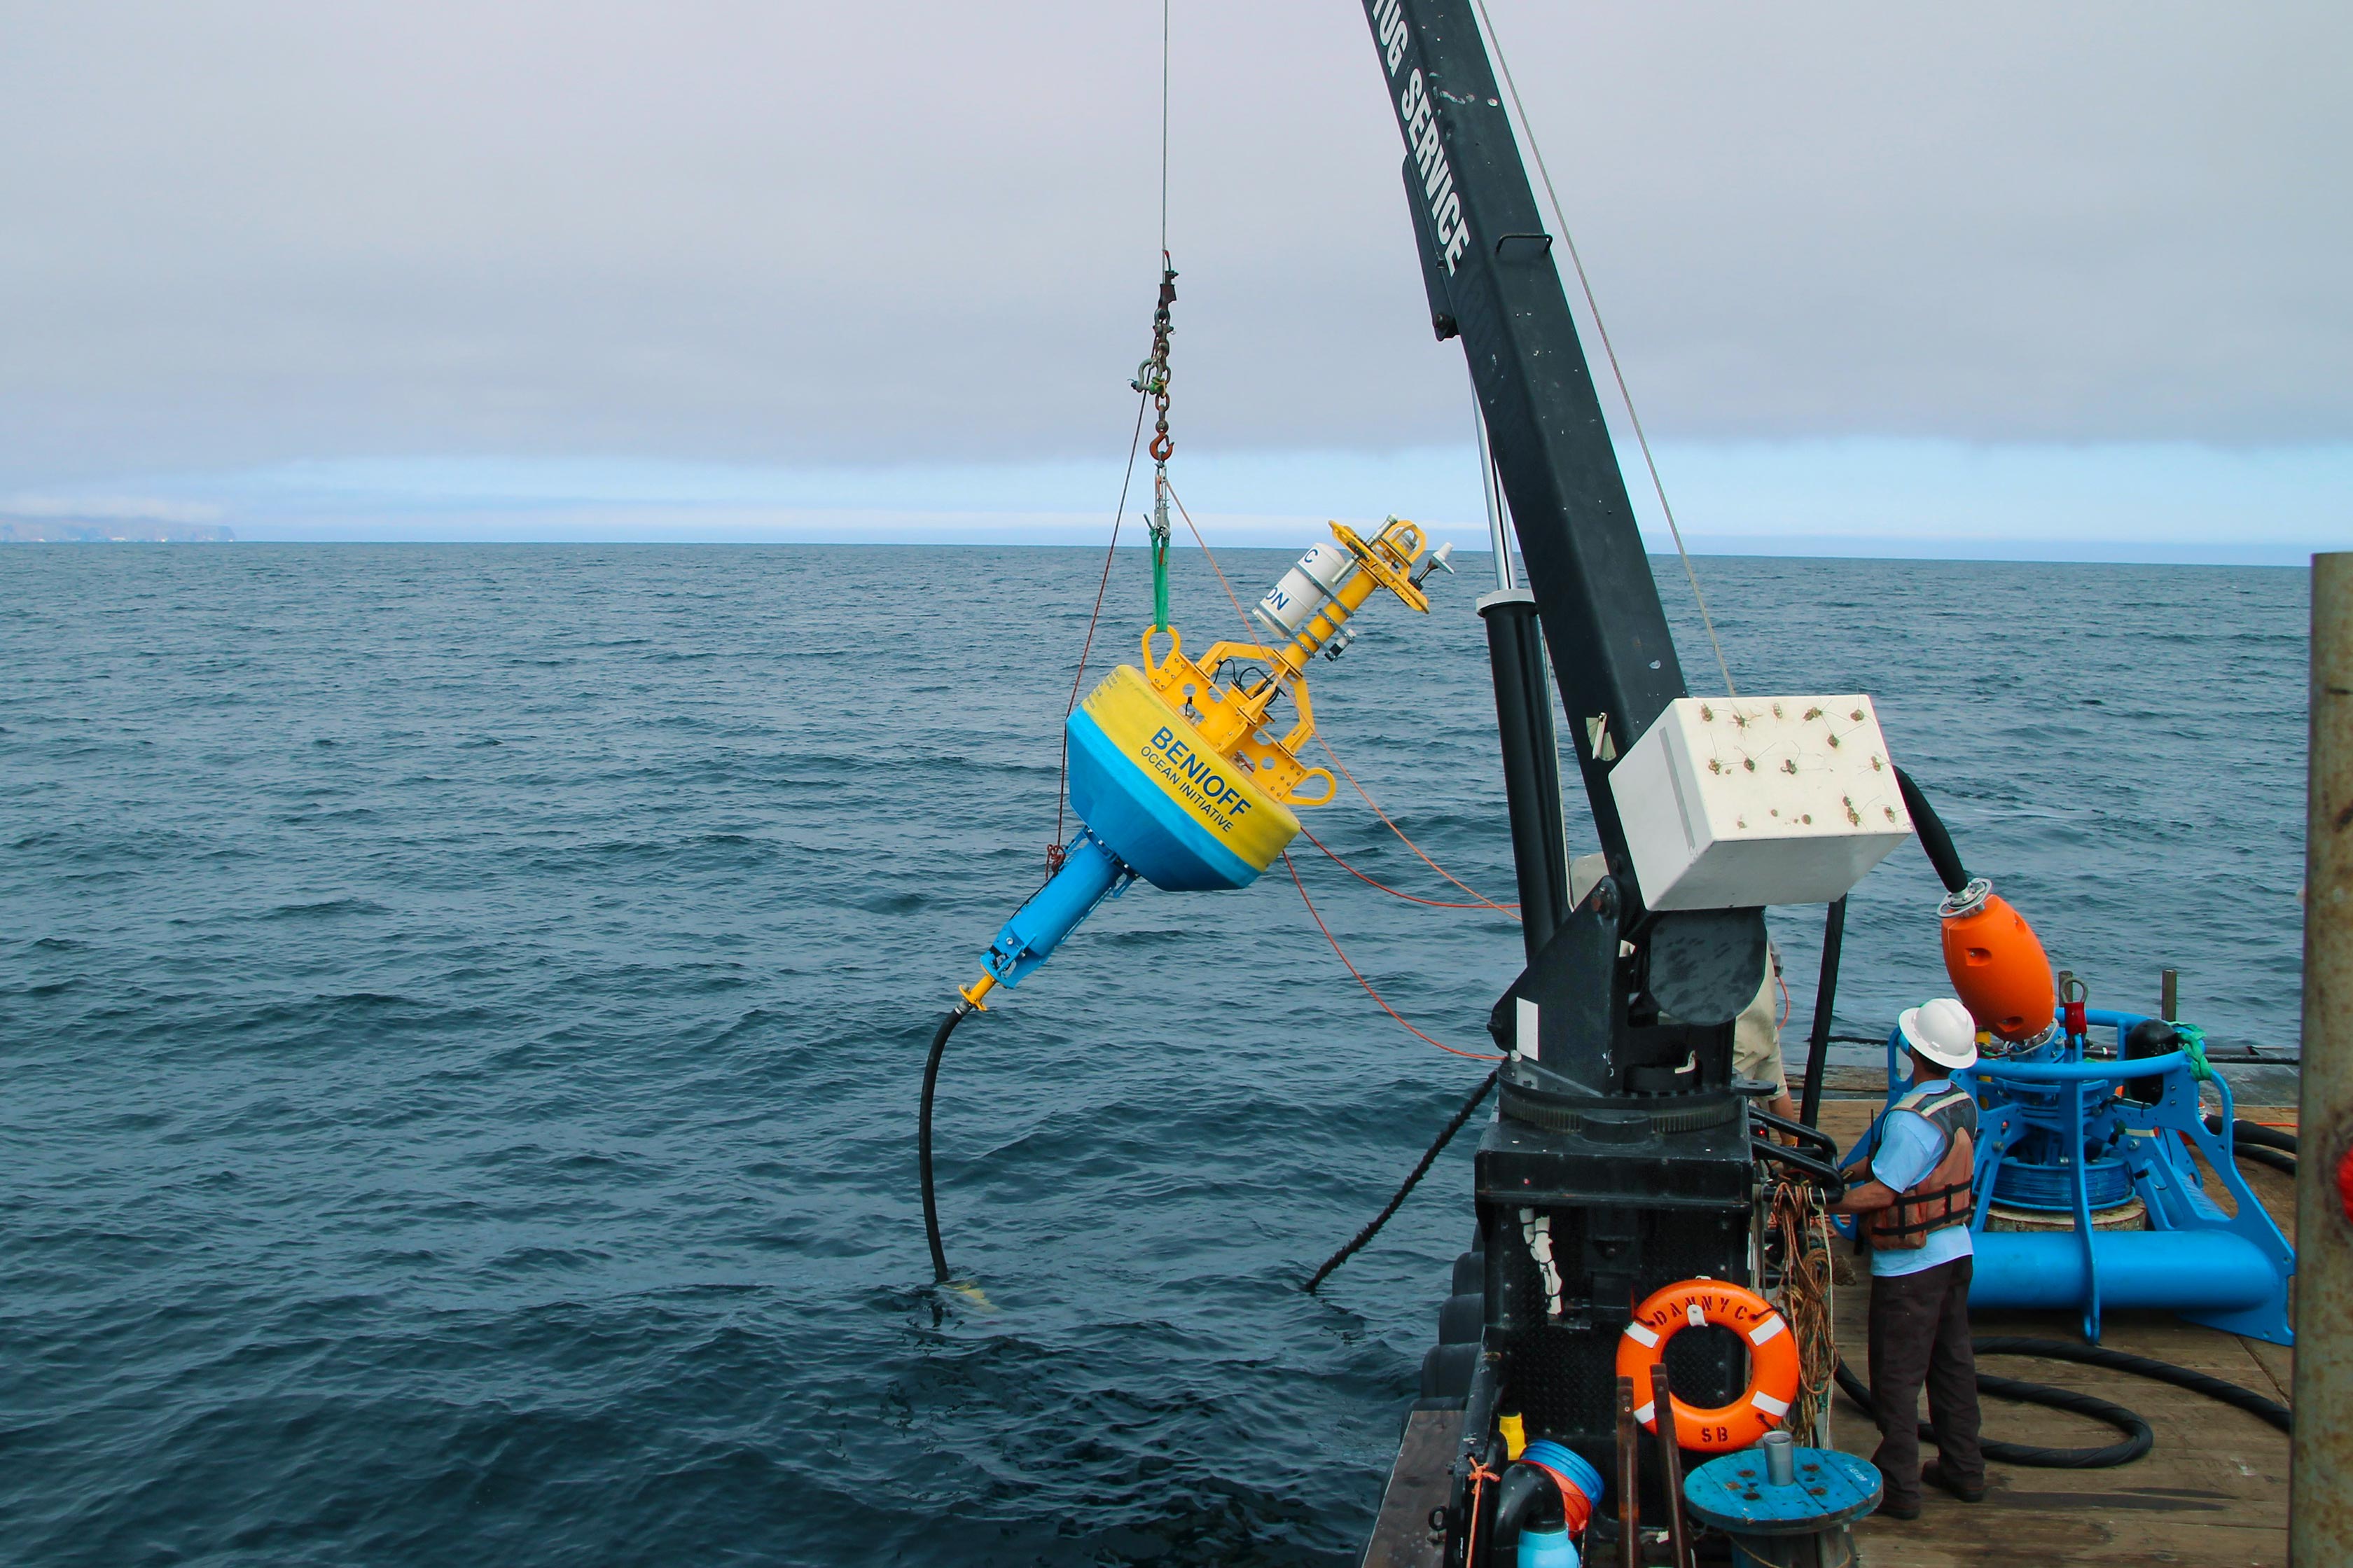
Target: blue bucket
{"x": 1568, "y": 1462}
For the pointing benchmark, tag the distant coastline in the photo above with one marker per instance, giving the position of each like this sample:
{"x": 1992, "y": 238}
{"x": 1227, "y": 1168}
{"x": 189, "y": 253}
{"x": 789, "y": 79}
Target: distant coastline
{"x": 110, "y": 531}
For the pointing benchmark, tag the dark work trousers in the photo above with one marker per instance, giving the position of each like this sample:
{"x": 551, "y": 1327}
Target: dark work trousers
{"x": 1920, "y": 1333}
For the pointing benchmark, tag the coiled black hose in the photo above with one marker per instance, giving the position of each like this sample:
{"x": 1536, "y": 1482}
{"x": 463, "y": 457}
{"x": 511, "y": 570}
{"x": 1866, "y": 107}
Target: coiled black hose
{"x": 2283, "y": 1163}
{"x": 2245, "y": 1132}
{"x": 2264, "y": 1409}
{"x": 923, "y": 1140}
{"x": 2139, "y": 1439}
{"x": 2253, "y": 1141}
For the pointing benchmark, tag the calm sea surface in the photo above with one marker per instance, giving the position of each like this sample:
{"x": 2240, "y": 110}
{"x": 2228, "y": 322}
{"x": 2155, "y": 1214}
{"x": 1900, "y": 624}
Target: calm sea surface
{"x": 462, "y": 1011}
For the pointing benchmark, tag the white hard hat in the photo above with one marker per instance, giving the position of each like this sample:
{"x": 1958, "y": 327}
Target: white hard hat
{"x": 1941, "y": 1030}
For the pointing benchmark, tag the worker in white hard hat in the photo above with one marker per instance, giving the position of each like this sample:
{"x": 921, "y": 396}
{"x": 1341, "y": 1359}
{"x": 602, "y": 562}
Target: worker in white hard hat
{"x": 1913, "y": 1207}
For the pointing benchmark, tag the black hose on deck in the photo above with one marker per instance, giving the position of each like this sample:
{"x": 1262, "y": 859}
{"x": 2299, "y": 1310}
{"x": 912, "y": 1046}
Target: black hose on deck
{"x": 2139, "y": 1439}
{"x": 2245, "y": 1132}
{"x": 1934, "y": 838}
{"x": 2246, "y": 1399}
{"x": 923, "y": 1140}
{"x": 1429, "y": 1158}
{"x": 2283, "y": 1163}
{"x": 2252, "y": 1140}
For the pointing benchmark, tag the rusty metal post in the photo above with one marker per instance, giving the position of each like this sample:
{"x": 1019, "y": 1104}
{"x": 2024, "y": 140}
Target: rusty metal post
{"x": 1629, "y": 1479}
{"x": 1670, "y": 1463}
{"x": 2320, "y": 1503}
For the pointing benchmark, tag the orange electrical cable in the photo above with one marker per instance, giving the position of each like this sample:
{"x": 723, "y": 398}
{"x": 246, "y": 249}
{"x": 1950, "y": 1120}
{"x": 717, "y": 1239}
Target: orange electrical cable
{"x": 1209, "y": 555}
{"x": 1510, "y": 911}
{"x": 1450, "y": 1050}
{"x": 1384, "y": 886}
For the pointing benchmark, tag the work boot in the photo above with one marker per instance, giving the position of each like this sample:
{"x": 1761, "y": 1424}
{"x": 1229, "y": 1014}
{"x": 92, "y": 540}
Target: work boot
{"x": 1933, "y": 1473}
{"x": 1894, "y": 1505}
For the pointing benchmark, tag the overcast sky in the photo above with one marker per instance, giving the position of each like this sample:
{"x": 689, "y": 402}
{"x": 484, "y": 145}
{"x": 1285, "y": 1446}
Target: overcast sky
{"x": 453, "y": 259}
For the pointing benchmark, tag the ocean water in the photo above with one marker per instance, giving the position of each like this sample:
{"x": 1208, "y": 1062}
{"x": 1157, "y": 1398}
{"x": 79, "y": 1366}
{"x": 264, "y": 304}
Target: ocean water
{"x": 462, "y": 1008}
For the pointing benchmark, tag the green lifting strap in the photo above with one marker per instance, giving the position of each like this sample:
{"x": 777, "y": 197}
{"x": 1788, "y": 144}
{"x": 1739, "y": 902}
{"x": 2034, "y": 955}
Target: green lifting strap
{"x": 1160, "y": 532}
{"x": 2193, "y": 1046}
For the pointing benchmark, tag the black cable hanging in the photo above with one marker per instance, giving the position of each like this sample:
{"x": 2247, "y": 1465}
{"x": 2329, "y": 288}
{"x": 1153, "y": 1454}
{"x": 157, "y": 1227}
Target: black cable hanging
{"x": 1151, "y": 384}
{"x": 1429, "y": 1158}
{"x": 923, "y": 1140}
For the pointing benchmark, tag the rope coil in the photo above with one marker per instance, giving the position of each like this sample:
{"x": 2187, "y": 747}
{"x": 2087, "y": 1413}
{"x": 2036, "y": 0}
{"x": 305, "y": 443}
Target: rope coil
{"x": 1797, "y": 1219}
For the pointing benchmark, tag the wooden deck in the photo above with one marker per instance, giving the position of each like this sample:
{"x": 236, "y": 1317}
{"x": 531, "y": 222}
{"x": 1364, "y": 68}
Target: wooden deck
{"x": 2211, "y": 1494}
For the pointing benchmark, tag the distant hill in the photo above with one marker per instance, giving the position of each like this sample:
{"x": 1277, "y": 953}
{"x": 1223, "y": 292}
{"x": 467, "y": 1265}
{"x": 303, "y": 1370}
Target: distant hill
{"x": 109, "y": 530}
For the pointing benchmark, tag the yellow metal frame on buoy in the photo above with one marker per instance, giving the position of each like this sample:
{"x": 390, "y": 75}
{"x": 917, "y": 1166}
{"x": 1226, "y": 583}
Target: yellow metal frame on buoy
{"x": 1231, "y": 720}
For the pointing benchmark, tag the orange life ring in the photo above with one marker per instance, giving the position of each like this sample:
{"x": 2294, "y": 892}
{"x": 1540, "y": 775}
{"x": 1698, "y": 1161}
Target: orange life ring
{"x": 1773, "y": 1371}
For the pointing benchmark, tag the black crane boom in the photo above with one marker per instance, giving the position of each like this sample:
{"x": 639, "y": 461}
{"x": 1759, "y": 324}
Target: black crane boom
{"x": 1620, "y": 1160}
{"x": 1487, "y": 260}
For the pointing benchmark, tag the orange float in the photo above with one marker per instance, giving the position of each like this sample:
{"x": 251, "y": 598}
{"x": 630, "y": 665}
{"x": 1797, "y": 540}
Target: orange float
{"x": 1773, "y": 1371}
{"x": 1997, "y": 963}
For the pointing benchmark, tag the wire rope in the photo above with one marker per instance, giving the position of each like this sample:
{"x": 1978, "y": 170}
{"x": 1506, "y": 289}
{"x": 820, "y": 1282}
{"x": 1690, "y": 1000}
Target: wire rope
{"x": 1527, "y": 127}
{"x": 1163, "y": 128}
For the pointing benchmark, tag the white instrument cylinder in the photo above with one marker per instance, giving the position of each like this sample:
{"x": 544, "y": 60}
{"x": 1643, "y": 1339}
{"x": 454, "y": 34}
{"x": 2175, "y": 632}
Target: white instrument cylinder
{"x": 1304, "y": 589}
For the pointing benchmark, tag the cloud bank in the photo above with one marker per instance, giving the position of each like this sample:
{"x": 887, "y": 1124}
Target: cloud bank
{"x": 806, "y": 238}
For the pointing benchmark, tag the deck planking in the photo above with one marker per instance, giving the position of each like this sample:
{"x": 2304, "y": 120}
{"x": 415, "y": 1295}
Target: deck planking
{"x": 2212, "y": 1493}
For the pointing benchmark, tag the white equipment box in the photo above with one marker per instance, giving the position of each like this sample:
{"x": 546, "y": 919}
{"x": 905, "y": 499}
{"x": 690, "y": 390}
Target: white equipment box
{"x": 1736, "y": 801}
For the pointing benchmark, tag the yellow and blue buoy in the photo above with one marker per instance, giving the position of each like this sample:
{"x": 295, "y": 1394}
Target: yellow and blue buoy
{"x": 1180, "y": 780}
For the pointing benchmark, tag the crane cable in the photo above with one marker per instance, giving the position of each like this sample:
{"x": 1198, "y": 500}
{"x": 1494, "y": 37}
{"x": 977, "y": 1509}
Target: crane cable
{"x": 1062, "y": 788}
{"x": 1147, "y": 392}
{"x": 1150, "y": 386}
{"x": 1527, "y": 128}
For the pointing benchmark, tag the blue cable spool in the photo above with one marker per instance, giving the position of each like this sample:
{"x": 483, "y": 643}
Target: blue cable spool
{"x": 1550, "y": 1547}
{"x": 1796, "y": 1516}
{"x": 2107, "y": 1185}
{"x": 2050, "y": 1117}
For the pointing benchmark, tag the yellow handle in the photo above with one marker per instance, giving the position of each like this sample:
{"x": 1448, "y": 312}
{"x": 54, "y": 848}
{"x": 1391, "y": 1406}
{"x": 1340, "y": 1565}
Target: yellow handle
{"x": 1331, "y": 788}
{"x": 978, "y": 989}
